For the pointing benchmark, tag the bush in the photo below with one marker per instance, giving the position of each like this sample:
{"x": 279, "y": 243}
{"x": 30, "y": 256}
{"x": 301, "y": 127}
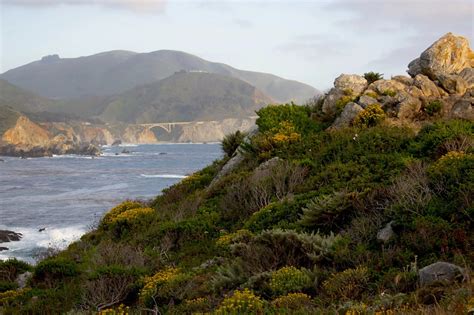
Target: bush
{"x": 373, "y": 76}
{"x": 241, "y": 302}
{"x": 328, "y": 212}
{"x": 277, "y": 248}
{"x": 289, "y": 279}
{"x": 293, "y": 302}
{"x": 390, "y": 93}
{"x": 370, "y": 116}
{"x": 11, "y": 268}
{"x": 433, "y": 107}
{"x": 231, "y": 142}
{"x": 349, "y": 284}
{"x": 54, "y": 270}
{"x": 112, "y": 215}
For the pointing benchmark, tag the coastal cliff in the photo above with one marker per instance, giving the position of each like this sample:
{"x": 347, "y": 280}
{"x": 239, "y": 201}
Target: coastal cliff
{"x": 29, "y": 139}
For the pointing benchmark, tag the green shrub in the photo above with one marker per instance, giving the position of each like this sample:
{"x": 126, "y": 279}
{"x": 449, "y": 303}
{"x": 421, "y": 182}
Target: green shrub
{"x": 231, "y": 142}
{"x": 54, "y": 270}
{"x": 431, "y": 140}
{"x": 373, "y": 76}
{"x": 328, "y": 212}
{"x": 241, "y": 302}
{"x": 289, "y": 279}
{"x": 11, "y": 268}
{"x": 433, "y": 107}
{"x": 7, "y": 286}
{"x": 370, "y": 116}
{"x": 349, "y": 284}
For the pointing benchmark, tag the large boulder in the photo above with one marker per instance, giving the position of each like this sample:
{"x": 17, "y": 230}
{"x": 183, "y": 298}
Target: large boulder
{"x": 352, "y": 84}
{"x": 348, "y": 86}
{"x": 468, "y": 76}
{"x": 441, "y": 272}
{"x": 427, "y": 87}
{"x": 464, "y": 107}
{"x": 385, "y": 87}
{"x": 448, "y": 55}
{"x": 366, "y": 100}
{"x": 347, "y": 116}
{"x": 454, "y": 84}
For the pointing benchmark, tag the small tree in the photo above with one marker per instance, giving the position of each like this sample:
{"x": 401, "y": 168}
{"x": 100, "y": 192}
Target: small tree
{"x": 231, "y": 142}
{"x": 373, "y": 76}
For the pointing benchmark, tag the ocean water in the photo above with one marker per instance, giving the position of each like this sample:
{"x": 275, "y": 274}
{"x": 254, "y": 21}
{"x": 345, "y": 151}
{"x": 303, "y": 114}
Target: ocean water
{"x": 67, "y": 195}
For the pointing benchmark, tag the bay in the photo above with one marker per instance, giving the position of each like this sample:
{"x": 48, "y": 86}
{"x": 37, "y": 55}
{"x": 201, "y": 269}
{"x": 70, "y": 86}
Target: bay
{"x": 67, "y": 195}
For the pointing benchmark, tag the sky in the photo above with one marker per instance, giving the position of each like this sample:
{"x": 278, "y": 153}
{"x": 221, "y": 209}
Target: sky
{"x": 309, "y": 41}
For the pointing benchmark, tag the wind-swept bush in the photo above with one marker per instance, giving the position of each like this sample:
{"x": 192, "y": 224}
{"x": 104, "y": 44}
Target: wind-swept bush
{"x": 231, "y": 142}
{"x": 371, "y": 76}
{"x": 289, "y": 279}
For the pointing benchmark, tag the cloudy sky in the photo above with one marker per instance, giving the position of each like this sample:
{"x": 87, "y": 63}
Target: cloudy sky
{"x": 310, "y": 41}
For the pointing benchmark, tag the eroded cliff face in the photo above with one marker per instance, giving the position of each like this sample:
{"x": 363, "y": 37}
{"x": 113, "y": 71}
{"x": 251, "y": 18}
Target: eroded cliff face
{"x": 213, "y": 131}
{"x": 30, "y": 139}
{"x": 26, "y": 132}
{"x": 138, "y": 135}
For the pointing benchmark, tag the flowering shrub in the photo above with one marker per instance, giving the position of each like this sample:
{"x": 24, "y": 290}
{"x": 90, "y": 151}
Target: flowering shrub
{"x": 132, "y": 214}
{"x": 241, "y": 302}
{"x": 370, "y": 116}
{"x": 114, "y": 212}
{"x": 163, "y": 285}
{"x": 238, "y": 236}
{"x": 292, "y": 301}
{"x": 11, "y": 295}
{"x": 285, "y": 133}
{"x": 289, "y": 279}
{"x": 197, "y": 305}
{"x": 121, "y": 310}
{"x": 348, "y": 284}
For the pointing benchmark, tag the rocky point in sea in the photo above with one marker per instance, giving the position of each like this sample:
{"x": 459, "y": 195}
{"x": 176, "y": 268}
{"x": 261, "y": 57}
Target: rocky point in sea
{"x": 8, "y": 236}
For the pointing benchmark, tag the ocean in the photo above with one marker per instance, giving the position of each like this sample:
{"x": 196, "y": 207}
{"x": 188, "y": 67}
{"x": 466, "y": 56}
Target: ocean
{"x": 67, "y": 195}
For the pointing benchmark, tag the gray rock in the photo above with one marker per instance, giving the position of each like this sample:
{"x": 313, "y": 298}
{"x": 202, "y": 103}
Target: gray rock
{"x": 347, "y": 116}
{"x": 387, "y": 86}
{"x": 9, "y": 236}
{"x": 3, "y": 248}
{"x": 268, "y": 164}
{"x": 403, "y": 79}
{"x": 235, "y": 160}
{"x": 329, "y": 103}
{"x": 353, "y": 83}
{"x": 366, "y": 100}
{"x": 464, "y": 109}
{"x": 468, "y": 75}
{"x": 386, "y": 234}
{"x": 441, "y": 272}
{"x": 452, "y": 83}
{"x": 22, "y": 279}
{"x": 448, "y": 55}
{"x": 427, "y": 87}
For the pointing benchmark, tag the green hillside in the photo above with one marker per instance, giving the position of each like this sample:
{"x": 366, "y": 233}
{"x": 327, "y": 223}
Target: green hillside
{"x": 293, "y": 228}
{"x": 186, "y": 96}
{"x": 8, "y": 118}
{"x": 114, "y": 72}
{"x": 20, "y": 99}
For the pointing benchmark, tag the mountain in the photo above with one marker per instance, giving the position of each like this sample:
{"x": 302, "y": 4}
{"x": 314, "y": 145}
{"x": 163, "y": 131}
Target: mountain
{"x": 21, "y": 99}
{"x": 186, "y": 96}
{"x": 114, "y": 72}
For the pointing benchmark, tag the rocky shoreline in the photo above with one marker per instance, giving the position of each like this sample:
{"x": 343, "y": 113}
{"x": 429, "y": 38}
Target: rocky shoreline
{"x": 8, "y": 236}
{"x": 38, "y": 151}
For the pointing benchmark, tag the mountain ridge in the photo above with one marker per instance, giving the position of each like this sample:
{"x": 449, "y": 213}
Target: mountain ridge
{"x": 115, "y": 71}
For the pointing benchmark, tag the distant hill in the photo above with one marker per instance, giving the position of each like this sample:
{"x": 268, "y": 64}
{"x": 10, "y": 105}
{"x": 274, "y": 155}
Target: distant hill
{"x": 20, "y": 99}
{"x": 186, "y": 96}
{"x": 117, "y": 71}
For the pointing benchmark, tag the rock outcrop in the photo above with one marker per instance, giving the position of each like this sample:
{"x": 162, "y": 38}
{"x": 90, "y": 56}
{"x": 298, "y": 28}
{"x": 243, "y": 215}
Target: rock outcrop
{"x": 450, "y": 54}
{"x": 441, "y": 85}
{"x": 29, "y": 139}
{"x": 441, "y": 272}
